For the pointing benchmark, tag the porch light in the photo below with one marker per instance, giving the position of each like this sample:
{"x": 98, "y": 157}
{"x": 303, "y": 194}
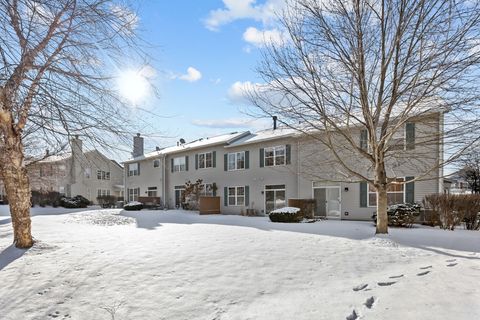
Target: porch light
{"x": 346, "y": 189}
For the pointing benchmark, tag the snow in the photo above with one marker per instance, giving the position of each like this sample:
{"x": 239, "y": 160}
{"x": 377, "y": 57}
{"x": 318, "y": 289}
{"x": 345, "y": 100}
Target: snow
{"x": 133, "y": 203}
{"x": 289, "y": 210}
{"x": 180, "y": 265}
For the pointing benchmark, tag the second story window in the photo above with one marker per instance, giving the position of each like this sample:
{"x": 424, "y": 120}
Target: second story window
{"x": 205, "y": 160}
{"x": 133, "y": 169}
{"x": 236, "y": 161}
{"x": 275, "y": 156}
{"x": 103, "y": 175}
{"x": 179, "y": 164}
{"x": 88, "y": 173}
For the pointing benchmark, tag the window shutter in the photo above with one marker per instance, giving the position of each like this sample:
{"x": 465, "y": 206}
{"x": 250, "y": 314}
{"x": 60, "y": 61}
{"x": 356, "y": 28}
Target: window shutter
{"x": 364, "y": 139}
{"x": 138, "y": 168}
{"x": 247, "y": 159}
{"x": 214, "y": 159}
{"x": 288, "y": 152}
{"x": 409, "y": 190}
{"x": 262, "y": 157}
{"x": 410, "y": 135}
{"x": 196, "y": 161}
{"x": 225, "y": 162}
{"x": 247, "y": 196}
{"x": 186, "y": 163}
{"x": 171, "y": 164}
{"x": 225, "y": 196}
{"x": 363, "y": 194}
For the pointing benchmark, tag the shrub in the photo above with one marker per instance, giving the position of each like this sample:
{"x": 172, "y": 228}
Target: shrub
{"x": 45, "y": 198}
{"x": 307, "y": 206}
{"x": 401, "y": 215}
{"x": 450, "y": 210}
{"x": 287, "y": 214}
{"x": 106, "y": 201}
{"x": 75, "y": 202}
{"x": 133, "y": 206}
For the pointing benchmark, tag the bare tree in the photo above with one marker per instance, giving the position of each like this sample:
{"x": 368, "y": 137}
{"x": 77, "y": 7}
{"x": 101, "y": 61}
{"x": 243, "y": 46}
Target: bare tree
{"x": 470, "y": 170}
{"x": 350, "y": 75}
{"x": 57, "y": 64}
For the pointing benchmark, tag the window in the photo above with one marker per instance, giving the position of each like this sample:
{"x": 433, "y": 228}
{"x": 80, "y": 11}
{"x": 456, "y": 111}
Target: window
{"x": 103, "y": 175}
{"x": 61, "y": 190}
{"x": 236, "y": 196}
{"x": 133, "y": 169}
{"x": 133, "y": 194}
{"x": 179, "y": 164}
{"x": 103, "y": 192}
{"x": 205, "y": 160}
{"x": 156, "y": 163}
{"x": 207, "y": 190}
{"x": 274, "y": 197}
{"x": 152, "y": 192}
{"x": 275, "y": 156}
{"x": 88, "y": 173}
{"x": 395, "y": 194}
{"x": 236, "y": 161}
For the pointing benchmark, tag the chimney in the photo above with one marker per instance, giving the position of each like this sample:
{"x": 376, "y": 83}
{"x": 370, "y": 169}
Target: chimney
{"x": 274, "y": 122}
{"x": 157, "y": 148}
{"x": 137, "y": 146}
{"x": 47, "y": 153}
{"x": 77, "y": 146}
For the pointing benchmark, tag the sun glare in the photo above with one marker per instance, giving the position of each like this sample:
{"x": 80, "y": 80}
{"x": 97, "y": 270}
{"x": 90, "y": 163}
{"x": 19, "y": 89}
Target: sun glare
{"x": 133, "y": 86}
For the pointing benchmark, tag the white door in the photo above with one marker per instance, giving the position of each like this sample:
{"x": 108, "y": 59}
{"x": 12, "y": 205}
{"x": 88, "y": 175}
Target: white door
{"x": 333, "y": 202}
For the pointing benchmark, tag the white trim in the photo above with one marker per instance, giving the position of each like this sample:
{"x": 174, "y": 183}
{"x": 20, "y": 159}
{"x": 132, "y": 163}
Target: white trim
{"x": 404, "y": 192}
{"x": 284, "y": 146}
{"x": 236, "y": 161}
{"x": 236, "y": 196}
{"x": 265, "y": 195}
{"x": 204, "y": 160}
{"x": 339, "y": 186}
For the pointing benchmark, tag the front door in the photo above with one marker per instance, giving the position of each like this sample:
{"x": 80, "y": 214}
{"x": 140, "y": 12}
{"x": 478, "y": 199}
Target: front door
{"x": 274, "y": 197}
{"x": 179, "y": 197}
{"x": 328, "y": 202}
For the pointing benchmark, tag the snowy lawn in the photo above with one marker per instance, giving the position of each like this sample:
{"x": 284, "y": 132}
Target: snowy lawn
{"x": 179, "y": 265}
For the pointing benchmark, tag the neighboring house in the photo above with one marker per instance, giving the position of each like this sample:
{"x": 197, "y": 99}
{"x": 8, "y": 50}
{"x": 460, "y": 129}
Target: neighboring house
{"x": 85, "y": 173}
{"x": 262, "y": 170}
{"x": 2, "y": 192}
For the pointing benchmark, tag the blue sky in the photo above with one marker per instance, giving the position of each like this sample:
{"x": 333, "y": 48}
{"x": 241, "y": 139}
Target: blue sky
{"x": 219, "y": 41}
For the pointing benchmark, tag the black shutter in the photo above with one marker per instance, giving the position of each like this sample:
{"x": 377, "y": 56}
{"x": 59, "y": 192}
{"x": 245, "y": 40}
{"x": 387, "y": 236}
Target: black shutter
{"x": 225, "y": 197}
{"x": 288, "y": 152}
{"x": 363, "y": 194}
{"x": 410, "y": 135}
{"x": 186, "y": 163}
{"x": 247, "y": 196}
{"x": 262, "y": 157}
{"x": 138, "y": 168}
{"x": 247, "y": 159}
{"x": 364, "y": 139}
{"x": 171, "y": 164}
{"x": 409, "y": 190}
{"x": 214, "y": 159}
{"x": 225, "y": 162}
{"x": 196, "y": 161}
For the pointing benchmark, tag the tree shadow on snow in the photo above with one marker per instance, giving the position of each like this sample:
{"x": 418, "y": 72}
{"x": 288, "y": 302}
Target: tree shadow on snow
{"x": 10, "y": 254}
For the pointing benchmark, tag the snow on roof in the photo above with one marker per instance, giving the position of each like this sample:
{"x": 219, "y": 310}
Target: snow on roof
{"x": 56, "y": 157}
{"x": 264, "y": 135}
{"x": 199, "y": 143}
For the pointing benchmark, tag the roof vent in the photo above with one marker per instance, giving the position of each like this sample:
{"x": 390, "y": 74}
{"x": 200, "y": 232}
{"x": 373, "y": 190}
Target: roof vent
{"x": 182, "y": 141}
{"x": 157, "y": 148}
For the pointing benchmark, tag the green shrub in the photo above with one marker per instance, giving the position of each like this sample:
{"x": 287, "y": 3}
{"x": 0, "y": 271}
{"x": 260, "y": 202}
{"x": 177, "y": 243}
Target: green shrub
{"x": 75, "y": 202}
{"x": 287, "y": 214}
{"x": 401, "y": 215}
{"x": 107, "y": 201}
{"x": 133, "y": 206}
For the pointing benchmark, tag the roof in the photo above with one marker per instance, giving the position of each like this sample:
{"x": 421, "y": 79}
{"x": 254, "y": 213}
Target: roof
{"x": 265, "y": 135}
{"x": 228, "y": 138}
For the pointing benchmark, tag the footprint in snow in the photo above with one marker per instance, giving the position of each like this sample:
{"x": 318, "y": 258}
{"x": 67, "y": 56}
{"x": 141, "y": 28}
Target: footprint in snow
{"x": 452, "y": 264}
{"x": 360, "y": 287}
{"x": 352, "y": 316}
{"x": 451, "y": 260}
{"x": 427, "y": 267}
{"x": 386, "y": 284}
{"x": 369, "y": 303}
{"x": 396, "y": 277}
{"x": 423, "y": 273}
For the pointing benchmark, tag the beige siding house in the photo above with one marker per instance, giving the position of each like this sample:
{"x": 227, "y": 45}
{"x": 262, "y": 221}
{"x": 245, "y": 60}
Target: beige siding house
{"x": 79, "y": 172}
{"x": 262, "y": 170}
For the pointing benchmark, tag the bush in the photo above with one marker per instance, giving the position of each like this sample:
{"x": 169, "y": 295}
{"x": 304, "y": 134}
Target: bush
{"x": 450, "y": 210}
{"x": 401, "y": 215}
{"x": 45, "y": 198}
{"x": 307, "y": 206}
{"x": 107, "y": 201}
{"x": 75, "y": 202}
{"x": 287, "y": 214}
{"x": 133, "y": 206}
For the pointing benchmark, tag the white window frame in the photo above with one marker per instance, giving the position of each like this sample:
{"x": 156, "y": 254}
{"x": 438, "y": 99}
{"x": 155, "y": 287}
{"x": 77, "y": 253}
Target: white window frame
{"x": 178, "y": 166}
{"x": 133, "y": 171}
{"x": 369, "y": 192}
{"x": 88, "y": 173}
{"x": 103, "y": 192}
{"x": 236, "y": 157}
{"x": 275, "y": 150}
{"x": 103, "y": 175}
{"x": 132, "y": 193}
{"x": 392, "y": 138}
{"x": 207, "y": 190}
{"x": 150, "y": 190}
{"x": 204, "y": 160}
{"x": 236, "y": 196}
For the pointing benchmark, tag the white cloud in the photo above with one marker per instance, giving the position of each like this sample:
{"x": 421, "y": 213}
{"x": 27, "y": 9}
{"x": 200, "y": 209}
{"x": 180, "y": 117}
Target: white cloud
{"x": 238, "y": 91}
{"x": 243, "y": 9}
{"x": 256, "y": 124}
{"x": 192, "y": 75}
{"x": 260, "y": 38}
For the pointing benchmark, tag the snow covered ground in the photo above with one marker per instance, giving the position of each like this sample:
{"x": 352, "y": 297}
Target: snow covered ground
{"x": 179, "y": 265}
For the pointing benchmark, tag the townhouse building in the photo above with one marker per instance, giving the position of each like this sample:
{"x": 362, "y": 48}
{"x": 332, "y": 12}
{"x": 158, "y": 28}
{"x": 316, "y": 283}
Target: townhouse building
{"x": 262, "y": 170}
{"x": 87, "y": 173}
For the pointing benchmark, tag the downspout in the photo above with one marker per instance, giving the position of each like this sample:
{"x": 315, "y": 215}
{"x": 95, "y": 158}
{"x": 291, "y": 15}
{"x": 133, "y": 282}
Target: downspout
{"x": 298, "y": 168}
{"x": 125, "y": 183}
{"x": 164, "y": 184}
{"x": 440, "y": 151}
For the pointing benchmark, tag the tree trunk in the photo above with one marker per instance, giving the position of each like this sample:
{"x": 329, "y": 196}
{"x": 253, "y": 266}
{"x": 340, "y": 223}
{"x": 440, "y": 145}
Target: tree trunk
{"x": 382, "y": 217}
{"x": 17, "y": 187}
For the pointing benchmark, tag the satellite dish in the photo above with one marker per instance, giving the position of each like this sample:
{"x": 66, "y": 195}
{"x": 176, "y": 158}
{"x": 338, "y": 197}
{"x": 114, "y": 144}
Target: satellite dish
{"x": 182, "y": 141}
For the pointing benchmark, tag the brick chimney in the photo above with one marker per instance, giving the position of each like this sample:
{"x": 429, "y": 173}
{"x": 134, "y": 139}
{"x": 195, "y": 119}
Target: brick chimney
{"x": 137, "y": 146}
